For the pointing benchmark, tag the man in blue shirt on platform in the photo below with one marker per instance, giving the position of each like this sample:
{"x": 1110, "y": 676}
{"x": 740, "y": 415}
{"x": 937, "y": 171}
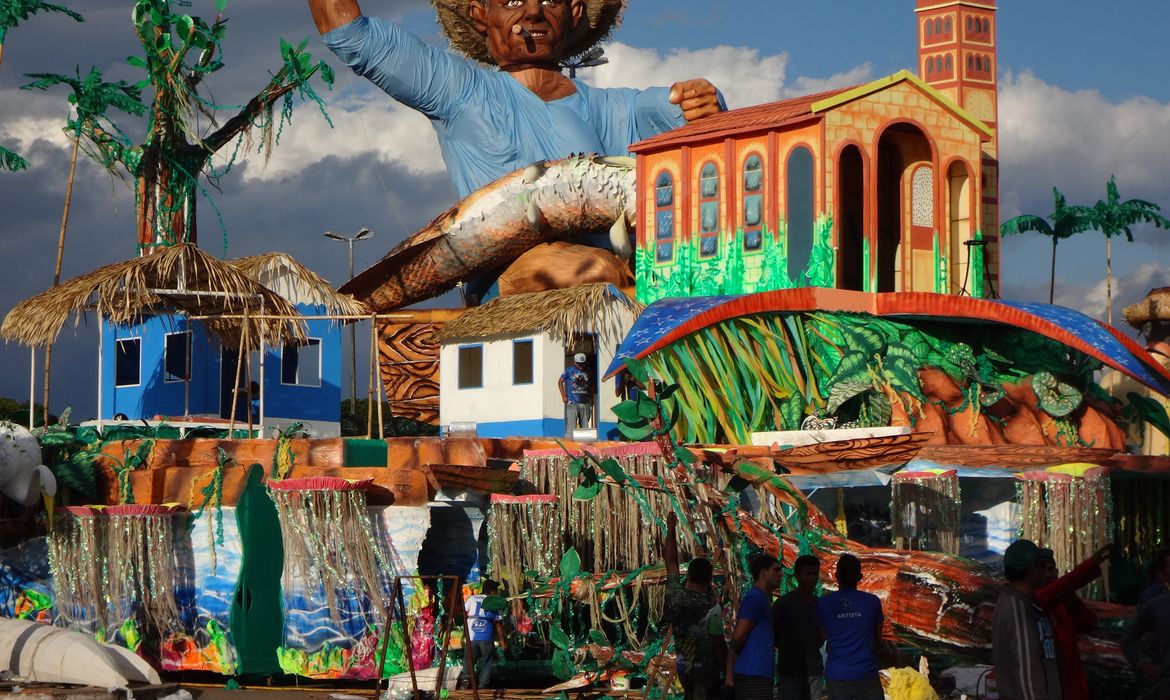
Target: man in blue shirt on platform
{"x": 852, "y": 623}
{"x": 752, "y": 640}
{"x": 576, "y": 389}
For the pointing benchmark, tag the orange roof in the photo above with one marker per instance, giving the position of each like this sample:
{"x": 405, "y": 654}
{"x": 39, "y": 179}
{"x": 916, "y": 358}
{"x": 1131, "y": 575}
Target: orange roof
{"x": 771, "y": 114}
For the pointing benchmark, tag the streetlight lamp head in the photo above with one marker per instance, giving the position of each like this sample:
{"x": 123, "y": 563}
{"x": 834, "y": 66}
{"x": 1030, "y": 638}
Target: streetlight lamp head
{"x": 334, "y": 236}
{"x": 363, "y": 233}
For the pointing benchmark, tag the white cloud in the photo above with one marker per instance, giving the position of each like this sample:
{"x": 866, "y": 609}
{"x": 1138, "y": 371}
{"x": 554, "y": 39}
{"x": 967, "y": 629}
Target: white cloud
{"x": 1128, "y": 288}
{"x": 725, "y": 66}
{"x": 364, "y": 122}
{"x": 1075, "y": 140}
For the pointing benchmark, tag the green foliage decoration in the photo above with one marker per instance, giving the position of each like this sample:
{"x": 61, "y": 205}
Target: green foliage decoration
{"x": 13, "y": 12}
{"x": 11, "y": 161}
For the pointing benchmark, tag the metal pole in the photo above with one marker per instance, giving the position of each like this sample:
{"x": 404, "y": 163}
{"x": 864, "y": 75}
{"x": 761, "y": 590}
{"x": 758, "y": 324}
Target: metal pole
{"x": 352, "y": 347}
{"x": 101, "y": 334}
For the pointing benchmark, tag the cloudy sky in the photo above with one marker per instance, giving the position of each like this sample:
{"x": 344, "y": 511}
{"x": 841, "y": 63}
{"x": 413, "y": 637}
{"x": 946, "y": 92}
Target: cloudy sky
{"x": 1083, "y": 94}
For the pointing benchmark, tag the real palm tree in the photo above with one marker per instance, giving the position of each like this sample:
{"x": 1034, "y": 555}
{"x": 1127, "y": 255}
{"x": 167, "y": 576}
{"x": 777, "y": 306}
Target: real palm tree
{"x": 1113, "y": 217}
{"x": 13, "y": 12}
{"x": 1067, "y": 221}
{"x": 91, "y": 98}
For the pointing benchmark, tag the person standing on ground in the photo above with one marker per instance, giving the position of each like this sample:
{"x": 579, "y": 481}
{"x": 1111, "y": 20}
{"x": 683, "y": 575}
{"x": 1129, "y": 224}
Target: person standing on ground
{"x": 576, "y": 387}
{"x": 852, "y": 623}
{"x": 799, "y": 669}
{"x": 1070, "y": 617}
{"x": 484, "y": 627}
{"x": 1023, "y": 644}
{"x": 696, "y": 620}
{"x": 752, "y": 643}
{"x": 1154, "y": 617}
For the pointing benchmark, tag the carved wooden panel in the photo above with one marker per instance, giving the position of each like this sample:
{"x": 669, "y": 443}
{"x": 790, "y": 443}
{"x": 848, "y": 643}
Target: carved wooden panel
{"x": 408, "y": 359}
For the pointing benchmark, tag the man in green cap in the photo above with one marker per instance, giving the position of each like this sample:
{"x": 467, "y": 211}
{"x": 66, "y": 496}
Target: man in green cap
{"x": 1022, "y": 642}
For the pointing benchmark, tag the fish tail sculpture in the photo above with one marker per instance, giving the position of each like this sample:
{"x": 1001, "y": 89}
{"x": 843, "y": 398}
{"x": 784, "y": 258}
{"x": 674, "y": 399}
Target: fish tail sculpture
{"x": 568, "y": 199}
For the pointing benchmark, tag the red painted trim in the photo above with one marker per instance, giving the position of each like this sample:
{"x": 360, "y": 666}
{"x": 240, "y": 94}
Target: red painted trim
{"x": 899, "y": 304}
{"x": 717, "y": 136}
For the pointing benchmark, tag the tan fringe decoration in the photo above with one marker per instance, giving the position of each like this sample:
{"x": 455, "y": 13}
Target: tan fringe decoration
{"x": 610, "y": 532}
{"x": 75, "y": 560}
{"x": 523, "y": 537}
{"x": 140, "y": 570}
{"x": 925, "y": 512}
{"x": 1070, "y": 515}
{"x": 328, "y": 542}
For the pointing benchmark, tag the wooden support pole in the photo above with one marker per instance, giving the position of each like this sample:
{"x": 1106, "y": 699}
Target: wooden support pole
{"x": 468, "y": 659}
{"x": 405, "y": 635}
{"x": 445, "y": 634}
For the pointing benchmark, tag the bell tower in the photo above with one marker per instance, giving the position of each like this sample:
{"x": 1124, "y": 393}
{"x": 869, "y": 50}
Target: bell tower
{"x": 956, "y": 56}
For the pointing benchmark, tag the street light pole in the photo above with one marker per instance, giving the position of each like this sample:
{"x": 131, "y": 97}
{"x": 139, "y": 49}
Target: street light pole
{"x": 362, "y": 234}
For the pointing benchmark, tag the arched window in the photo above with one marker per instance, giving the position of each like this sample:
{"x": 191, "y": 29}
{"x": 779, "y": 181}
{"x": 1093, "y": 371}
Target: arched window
{"x": 664, "y": 217}
{"x": 708, "y": 210}
{"x": 970, "y": 63}
{"x": 753, "y": 202}
{"x": 947, "y": 27}
{"x": 969, "y": 30}
{"x": 938, "y": 26}
{"x": 799, "y": 211}
{"x": 978, "y": 64}
{"x": 986, "y": 26}
{"x": 987, "y": 64}
{"x": 929, "y": 28}
{"x": 950, "y": 65}
{"x": 930, "y": 65}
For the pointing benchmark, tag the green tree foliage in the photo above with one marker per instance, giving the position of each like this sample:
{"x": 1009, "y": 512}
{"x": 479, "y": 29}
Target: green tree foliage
{"x": 10, "y": 160}
{"x": 1113, "y": 217}
{"x": 1066, "y": 221}
{"x": 13, "y": 12}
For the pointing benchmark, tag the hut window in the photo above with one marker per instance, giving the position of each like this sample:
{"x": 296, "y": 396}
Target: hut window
{"x": 471, "y": 367}
{"x": 177, "y": 351}
{"x": 128, "y": 362}
{"x": 522, "y": 362}
{"x": 300, "y": 365}
{"x": 799, "y": 211}
{"x": 753, "y": 202}
{"x": 708, "y": 210}
{"x": 664, "y": 217}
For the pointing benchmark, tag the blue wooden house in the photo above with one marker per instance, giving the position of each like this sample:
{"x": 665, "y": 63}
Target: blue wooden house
{"x": 172, "y": 368}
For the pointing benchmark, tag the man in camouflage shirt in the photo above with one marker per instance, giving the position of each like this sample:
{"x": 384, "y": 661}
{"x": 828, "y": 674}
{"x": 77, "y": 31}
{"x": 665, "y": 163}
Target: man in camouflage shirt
{"x": 696, "y": 619}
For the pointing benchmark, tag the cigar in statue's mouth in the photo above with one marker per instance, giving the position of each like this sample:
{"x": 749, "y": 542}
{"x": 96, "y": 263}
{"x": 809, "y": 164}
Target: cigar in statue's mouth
{"x": 517, "y": 29}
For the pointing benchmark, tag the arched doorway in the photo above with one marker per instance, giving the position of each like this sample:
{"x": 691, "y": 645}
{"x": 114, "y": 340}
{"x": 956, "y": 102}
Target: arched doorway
{"x": 906, "y": 211}
{"x": 959, "y": 226}
{"x": 851, "y": 220}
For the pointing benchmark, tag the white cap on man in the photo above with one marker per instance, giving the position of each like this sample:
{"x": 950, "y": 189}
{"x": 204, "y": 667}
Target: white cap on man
{"x": 579, "y": 357}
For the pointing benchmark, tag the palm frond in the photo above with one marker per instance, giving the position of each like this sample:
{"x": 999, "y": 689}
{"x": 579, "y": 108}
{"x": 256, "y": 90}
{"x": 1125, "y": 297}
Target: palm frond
{"x": 1024, "y": 224}
{"x": 11, "y": 161}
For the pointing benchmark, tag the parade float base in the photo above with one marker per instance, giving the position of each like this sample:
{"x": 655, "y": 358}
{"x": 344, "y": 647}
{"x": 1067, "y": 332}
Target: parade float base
{"x": 56, "y": 691}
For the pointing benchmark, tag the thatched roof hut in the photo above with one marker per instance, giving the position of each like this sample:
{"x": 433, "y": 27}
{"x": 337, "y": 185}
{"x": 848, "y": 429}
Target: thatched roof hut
{"x": 181, "y": 278}
{"x": 282, "y": 274}
{"x": 560, "y": 313}
{"x": 1155, "y": 308}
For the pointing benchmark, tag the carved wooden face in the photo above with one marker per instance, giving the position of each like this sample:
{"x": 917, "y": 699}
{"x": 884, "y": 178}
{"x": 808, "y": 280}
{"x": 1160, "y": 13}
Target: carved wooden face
{"x": 526, "y": 32}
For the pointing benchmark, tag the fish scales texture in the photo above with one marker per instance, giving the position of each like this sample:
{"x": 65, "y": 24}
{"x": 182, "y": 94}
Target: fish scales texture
{"x": 572, "y": 198}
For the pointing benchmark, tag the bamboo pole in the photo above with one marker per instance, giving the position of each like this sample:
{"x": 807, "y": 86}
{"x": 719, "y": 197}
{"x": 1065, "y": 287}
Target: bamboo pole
{"x": 32, "y": 387}
{"x": 101, "y": 335}
{"x": 236, "y": 388}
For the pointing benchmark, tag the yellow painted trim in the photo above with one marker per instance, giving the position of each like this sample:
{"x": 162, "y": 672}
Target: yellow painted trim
{"x": 902, "y": 75}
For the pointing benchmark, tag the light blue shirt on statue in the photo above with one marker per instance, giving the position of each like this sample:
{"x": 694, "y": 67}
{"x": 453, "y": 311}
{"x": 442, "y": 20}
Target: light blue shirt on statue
{"x": 489, "y": 125}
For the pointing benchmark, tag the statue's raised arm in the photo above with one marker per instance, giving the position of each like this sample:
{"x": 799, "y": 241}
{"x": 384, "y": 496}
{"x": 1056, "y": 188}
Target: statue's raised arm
{"x": 331, "y": 14}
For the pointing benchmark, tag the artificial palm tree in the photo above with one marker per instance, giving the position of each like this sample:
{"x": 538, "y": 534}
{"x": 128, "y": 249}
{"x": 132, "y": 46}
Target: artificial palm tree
{"x": 90, "y": 98}
{"x": 11, "y": 161}
{"x": 1067, "y": 221}
{"x": 13, "y": 12}
{"x": 1112, "y": 217}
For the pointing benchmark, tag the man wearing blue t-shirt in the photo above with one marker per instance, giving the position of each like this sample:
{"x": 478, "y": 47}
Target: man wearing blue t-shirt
{"x": 483, "y": 627}
{"x": 752, "y": 641}
{"x": 852, "y": 624}
{"x": 576, "y": 389}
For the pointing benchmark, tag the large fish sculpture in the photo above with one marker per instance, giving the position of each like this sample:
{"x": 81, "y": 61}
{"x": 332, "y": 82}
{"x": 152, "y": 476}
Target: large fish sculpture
{"x": 571, "y": 198}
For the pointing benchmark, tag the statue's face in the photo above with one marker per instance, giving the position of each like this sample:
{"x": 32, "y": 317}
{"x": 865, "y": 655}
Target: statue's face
{"x": 526, "y": 32}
